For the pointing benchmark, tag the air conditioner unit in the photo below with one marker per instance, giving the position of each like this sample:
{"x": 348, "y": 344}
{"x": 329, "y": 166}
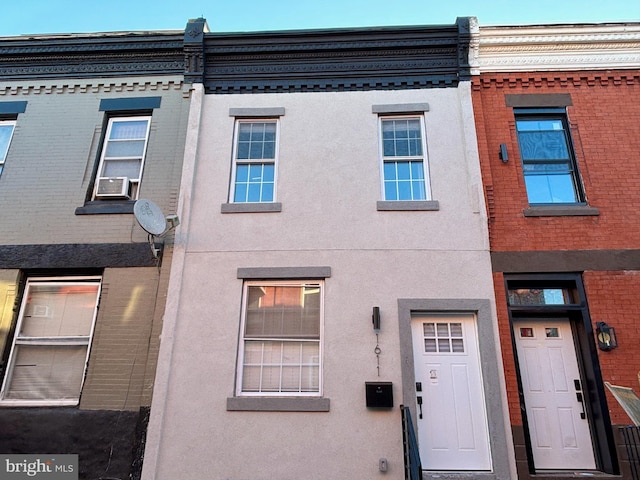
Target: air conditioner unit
{"x": 113, "y": 187}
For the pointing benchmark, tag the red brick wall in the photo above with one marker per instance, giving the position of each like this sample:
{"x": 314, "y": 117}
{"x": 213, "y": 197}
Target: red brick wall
{"x": 605, "y": 126}
{"x": 507, "y": 351}
{"x": 614, "y": 298}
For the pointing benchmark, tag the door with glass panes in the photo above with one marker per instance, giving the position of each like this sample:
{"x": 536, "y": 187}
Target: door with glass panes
{"x": 452, "y": 419}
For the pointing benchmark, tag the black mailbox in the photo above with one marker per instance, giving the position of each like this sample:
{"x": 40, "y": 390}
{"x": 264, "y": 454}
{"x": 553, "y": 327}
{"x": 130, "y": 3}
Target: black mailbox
{"x": 379, "y": 394}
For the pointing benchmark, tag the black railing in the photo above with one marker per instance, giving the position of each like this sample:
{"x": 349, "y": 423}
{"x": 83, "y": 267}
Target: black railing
{"x": 631, "y": 437}
{"x": 412, "y": 464}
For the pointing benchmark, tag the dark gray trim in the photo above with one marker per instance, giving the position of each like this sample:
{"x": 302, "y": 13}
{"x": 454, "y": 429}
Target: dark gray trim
{"x": 538, "y": 100}
{"x": 78, "y": 255}
{"x": 404, "y": 205}
{"x": 12, "y": 108}
{"x": 577, "y": 313}
{"x": 560, "y": 211}
{"x": 278, "y": 404}
{"x": 256, "y": 112}
{"x": 94, "y": 55}
{"x": 104, "y": 440}
{"x": 251, "y": 207}
{"x": 491, "y": 372}
{"x": 131, "y": 103}
{"x": 565, "y": 261}
{"x": 400, "y": 108}
{"x": 106, "y": 207}
{"x": 385, "y": 58}
{"x": 268, "y": 273}
{"x": 194, "y": 50}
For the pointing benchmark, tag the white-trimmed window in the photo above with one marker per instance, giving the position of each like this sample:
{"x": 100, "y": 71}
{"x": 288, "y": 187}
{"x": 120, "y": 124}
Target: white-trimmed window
{"x": 280, "y": 345}
{"x": 122, "y": 158}
{"x": 404, "y": 163}
{"x": 51, "y": 344}
{"x": 254, "y": 161}
{"x": 6, "y": 132}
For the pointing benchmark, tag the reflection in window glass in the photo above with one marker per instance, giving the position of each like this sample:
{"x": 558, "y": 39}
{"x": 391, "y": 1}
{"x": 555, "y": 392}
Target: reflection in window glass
{"x": 549, "y": 168}
{"x": 539, "y": 296}
{"x": 6, "y": 132}
{"x": 551, "y": 332}
{"x": 281, "y": 339}
{"x": 49, "y": 351}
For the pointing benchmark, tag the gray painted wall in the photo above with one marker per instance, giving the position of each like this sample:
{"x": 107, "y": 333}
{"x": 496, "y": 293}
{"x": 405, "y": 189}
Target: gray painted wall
{"x": 54, "y": 150}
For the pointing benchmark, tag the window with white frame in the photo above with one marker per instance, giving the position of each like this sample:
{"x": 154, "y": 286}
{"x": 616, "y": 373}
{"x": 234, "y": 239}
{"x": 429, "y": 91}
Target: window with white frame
{"x": 254, "y": 161}
{"x": 404, "y": 162}
{"x": 280, "y": 351}
{"x": 122, "y": 158}
{"x": 6, "y": 132}
{"x": 51, "y": 344}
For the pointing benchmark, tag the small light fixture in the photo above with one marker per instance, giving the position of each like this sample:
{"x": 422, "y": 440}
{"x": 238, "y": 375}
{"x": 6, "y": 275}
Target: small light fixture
{"x": 375, "y": 318}
{"x": 504, "y": 155}
{"x": 606, "y": 336}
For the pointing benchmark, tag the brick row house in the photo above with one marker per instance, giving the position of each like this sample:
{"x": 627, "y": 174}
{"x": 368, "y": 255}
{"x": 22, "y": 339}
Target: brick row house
{"x": 557, "y": 109}
{"x": 89, "y": 123}
{"x": 332, "y": 264}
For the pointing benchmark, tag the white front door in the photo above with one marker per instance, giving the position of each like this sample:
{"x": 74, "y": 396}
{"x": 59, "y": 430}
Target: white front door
{"x": 558, "y": 427}
{"x": 452, "y": 419}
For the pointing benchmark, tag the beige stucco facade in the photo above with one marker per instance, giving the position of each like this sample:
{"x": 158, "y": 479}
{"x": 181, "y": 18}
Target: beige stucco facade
{"x": 329, "y": 185}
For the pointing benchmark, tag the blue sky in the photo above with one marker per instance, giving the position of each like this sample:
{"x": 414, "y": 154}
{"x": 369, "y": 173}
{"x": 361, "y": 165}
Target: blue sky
{"x": 78, "y": 16}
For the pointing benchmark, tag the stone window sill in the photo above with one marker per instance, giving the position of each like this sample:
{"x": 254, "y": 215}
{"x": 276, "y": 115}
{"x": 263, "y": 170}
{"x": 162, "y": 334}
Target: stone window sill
{"x": 278, "y": 404}
{"x": 561, "y": 211}
{"x": 104, "y": 207}
{"x": 404, "y": 205}
{"x": 251, "y": 207}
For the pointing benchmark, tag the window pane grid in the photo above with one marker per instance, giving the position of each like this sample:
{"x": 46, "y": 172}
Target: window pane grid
{"x": 443, "y": 337}
{"x": 404, "y": 180}
{"x": 281, "y": 344}
{"x": 281, "y": 366}
{"x": 254, "y": 162}
{"x": 254, "y": 182}
{"x": 402, "y": 156}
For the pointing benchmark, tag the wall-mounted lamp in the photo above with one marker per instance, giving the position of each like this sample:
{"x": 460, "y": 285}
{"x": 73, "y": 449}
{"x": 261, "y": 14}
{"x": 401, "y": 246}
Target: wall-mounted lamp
{"x": 606, "y": 336}
{"x": 375, "y": 318}
{"x": 504, "y": 155}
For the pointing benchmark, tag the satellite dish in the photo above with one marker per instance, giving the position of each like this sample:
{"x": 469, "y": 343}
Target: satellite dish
{"x": 150, "y": 217}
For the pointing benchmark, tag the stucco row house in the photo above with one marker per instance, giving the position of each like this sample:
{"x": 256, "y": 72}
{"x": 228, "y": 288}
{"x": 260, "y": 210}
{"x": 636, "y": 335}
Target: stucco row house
{"x": 393, "y": 250}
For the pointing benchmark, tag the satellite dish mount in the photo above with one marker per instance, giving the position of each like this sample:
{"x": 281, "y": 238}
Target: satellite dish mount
{"x": 154, "y": 222}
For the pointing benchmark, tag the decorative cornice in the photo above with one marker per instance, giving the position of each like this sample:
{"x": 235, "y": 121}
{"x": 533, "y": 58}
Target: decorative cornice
{"x": 91, "y": 55}
{"x": 574, "y": 79}
{"x": 556, "y": 47}
{"x": 90, "y": 86}
{"x": 337, "y": 59}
